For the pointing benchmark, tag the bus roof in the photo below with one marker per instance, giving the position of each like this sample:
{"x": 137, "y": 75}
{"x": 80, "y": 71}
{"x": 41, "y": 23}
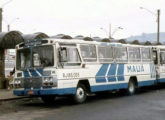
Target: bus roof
{"x": 77, "y": 41}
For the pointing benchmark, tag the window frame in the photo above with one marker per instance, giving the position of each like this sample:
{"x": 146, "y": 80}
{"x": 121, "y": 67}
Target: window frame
{"x": 161, "y": 51}
{"x": 134, "y": 60}
{"x": 84, "y": 59}
{"x": 69, "y": 64}
{"x": 150, "y": 55}
{"x": 119, "y": 60}
{"x": 110, "y": 59}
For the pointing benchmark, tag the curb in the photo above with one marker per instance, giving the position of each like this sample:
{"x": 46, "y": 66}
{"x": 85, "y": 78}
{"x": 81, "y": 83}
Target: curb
{"x": 15, "y": 98}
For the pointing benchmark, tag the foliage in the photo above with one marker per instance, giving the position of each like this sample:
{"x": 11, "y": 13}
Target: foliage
{"x": 122, "y": 41}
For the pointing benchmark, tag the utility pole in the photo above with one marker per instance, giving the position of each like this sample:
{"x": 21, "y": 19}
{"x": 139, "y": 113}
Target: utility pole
{"x": 157, "y": 20}
{"x": 8, "y": 27}
{"x": 158, "y": 23}
{"x": 110, "y": 35}
{"x": 0, "y": 19}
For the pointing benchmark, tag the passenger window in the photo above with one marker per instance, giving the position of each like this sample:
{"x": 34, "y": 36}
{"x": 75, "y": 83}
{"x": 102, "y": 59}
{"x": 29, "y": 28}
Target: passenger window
{"x": 88, "y": 53}
{"x": 146, "y": 55}
{"x": 69, "y": 56}
{"x": 134, "y": 54}
{"x": 120, "y": 54}
{"x": 162, "y": 57}
{"x": 105, "y": 54}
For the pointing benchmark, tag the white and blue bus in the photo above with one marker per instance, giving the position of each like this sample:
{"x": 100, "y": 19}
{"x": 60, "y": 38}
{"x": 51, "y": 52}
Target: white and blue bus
{"x": 56, "y": 67}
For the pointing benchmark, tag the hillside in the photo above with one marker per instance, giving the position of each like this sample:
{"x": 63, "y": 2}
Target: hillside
{"x": 152, "y": 37}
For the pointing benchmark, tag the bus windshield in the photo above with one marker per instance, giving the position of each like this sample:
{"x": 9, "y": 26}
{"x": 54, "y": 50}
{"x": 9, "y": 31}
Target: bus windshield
{"x": 23, "y": 59}
{"x": 42, "y": 56}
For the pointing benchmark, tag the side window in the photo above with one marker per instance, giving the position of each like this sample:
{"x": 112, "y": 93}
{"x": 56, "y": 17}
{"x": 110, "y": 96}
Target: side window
{"x": 162, "y": 57}
{"x": 73, "y": 56}
{"x": 68, "y": 56}
{"x": 105, "y": 53}
{"x": 134, "y": 54}
{"x": 88, "y": 53}
{"x": 146, "y": 54}
{"x": 120, "y": 54}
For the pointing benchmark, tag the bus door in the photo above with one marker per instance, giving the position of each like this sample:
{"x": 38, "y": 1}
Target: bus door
{"x": 156, "y": 61}
{"x": 161, "y": 67}
{"x": 69, "y": 61}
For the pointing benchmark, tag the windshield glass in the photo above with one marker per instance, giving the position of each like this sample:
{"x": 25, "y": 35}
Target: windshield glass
{"x": 41, "y": 57}
{"x": 23, "y": 59}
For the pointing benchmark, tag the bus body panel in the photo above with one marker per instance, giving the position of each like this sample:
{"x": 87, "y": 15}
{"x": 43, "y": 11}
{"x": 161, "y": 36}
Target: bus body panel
{"x": 101, "y": 76}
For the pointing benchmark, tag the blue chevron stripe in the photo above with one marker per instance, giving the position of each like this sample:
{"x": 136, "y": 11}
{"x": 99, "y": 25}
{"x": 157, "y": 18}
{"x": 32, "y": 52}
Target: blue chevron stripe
{"x": 33, "y": 73}
{"x": 40, "y": 71}
{"x": 26, "y": 73}
{"x": 100, "y": 76}
{"x": 112, "y": 72}
{"x": 120, "y": 72}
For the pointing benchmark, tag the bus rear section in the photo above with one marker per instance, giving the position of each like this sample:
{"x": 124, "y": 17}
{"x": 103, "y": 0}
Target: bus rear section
{"x": 159, "y": 61}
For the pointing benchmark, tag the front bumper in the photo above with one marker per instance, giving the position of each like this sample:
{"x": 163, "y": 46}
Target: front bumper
{"x": 47, "y": 91}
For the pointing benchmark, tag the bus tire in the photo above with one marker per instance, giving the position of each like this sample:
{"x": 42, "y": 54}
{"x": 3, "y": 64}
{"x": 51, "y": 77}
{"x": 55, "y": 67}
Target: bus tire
{"x": 131, "y": 88}
{"x": 49, "y": 99}
{"x": 80, "y": 95}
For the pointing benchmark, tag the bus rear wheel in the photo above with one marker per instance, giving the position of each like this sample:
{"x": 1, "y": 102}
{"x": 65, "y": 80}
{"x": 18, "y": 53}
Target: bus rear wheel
{"x": 50, "y": 99}
{"x": 80, "y": 95}
{"x": 131, "y": 88}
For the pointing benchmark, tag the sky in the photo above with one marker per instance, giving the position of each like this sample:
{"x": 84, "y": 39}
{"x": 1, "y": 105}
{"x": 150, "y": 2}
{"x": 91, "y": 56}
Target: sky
{"x": 84, "y": 17}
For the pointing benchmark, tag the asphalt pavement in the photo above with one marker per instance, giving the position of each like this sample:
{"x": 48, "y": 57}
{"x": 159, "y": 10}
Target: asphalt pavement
{"x": 148, "y": 104}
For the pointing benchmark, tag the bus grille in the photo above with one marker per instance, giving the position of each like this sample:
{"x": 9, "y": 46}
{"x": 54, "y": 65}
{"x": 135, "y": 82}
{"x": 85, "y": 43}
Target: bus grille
{"x": 32, "y": 82}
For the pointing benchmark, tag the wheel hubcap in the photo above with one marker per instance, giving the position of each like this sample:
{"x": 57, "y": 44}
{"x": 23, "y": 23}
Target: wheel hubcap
{"x": 80, "y": 93}
{"x": 131, "y": 87}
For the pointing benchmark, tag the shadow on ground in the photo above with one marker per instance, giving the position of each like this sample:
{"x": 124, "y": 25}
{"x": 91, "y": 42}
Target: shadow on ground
{"x": 36, "y": 103}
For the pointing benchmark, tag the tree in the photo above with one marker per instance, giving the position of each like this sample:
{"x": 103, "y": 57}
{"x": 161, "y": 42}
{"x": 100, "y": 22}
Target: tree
{"x": 105, "y": 40}
{"x": 66, "y": 37}
{"x": 122, "y": 41}
{"x": 88, "y": 39}
{"x": 159, "y": 43}
{"x": 136, "y": 42}
{"x": 147, "y": 43}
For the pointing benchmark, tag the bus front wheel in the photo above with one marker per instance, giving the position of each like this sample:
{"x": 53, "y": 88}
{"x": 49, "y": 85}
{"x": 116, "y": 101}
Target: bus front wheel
{"x": 80, "y": 95}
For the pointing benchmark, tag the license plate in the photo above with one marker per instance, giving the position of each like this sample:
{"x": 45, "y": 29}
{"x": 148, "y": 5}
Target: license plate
{"x": 30, "y": 92}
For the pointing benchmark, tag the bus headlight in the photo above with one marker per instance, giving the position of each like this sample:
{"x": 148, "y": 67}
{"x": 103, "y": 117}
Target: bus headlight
{"x": 50, "y": 81}
{"x": 18, "y": 83}
{"x": 46, "y": 79}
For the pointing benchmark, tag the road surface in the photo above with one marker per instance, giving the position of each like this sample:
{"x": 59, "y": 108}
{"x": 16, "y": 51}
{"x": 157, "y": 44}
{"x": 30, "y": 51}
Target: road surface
{"x": 148, "y": 104}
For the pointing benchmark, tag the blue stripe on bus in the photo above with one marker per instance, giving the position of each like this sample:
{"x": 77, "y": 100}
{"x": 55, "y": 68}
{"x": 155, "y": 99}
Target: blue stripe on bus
{"x": 108, "y": 87}
{"x": 120, "y": 72}
{"x": 64, "y": 91}
{"x": 26, "y": 73}
{"x": 112, "y": 73}
{"x": 100, "y": 76}
{"x": 160, "y": 80}
{"x": 40, "y": 70}
{"x": 146, "y": 83}
{"x": 33, "y": 73}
